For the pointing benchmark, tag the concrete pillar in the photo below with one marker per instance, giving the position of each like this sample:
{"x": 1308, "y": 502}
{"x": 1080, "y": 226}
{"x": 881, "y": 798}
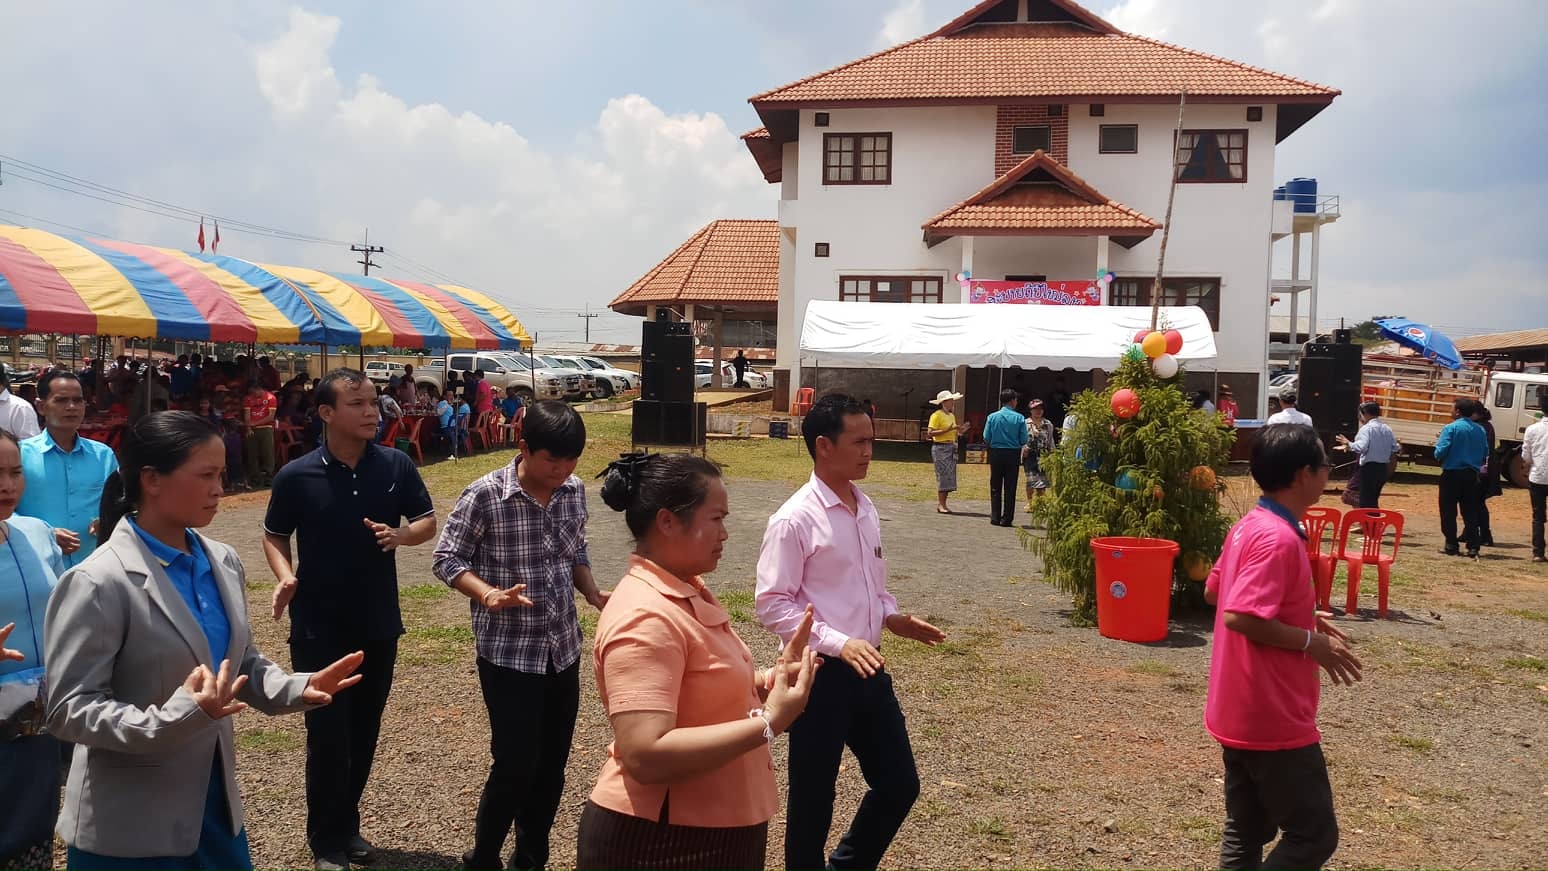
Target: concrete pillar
{"x": 688, "y": 314}
{"x": 1101, "y": 258}
{"x": 650, "y": 313}
{"x": 716, "y": 382}
{"x": 967, "y": 265}
{"x": 1316, "y": 235}
{"x": 1295, "y": 290}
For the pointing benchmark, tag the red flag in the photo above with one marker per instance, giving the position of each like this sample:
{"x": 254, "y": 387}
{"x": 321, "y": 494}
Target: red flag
{"x": 201, "y": 235}
{"x": 215, "y": 243}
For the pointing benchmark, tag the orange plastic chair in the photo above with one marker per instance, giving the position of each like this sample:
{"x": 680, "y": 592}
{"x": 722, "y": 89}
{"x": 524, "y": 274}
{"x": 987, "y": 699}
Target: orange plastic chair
{"x": 1374, "y": 523}
{"x": 478, "y": 433}
{"x": 416, "y": 423}
{"x": 804, "y": 399}
{"x": 390, "y": 435}
{"x": 1322, "y": 522}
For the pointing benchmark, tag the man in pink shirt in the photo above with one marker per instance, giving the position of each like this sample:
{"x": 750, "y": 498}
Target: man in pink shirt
{"x": 1263, "y": 681}
{"x": 823, "y": 548}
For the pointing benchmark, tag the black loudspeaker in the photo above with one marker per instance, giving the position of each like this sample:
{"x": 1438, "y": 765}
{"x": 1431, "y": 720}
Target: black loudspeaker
{"x": 666, "y": 361}
{"x": 1329, "y": 386}
{"x": 669, "y": 423}
{"x": 1343, "y": 337}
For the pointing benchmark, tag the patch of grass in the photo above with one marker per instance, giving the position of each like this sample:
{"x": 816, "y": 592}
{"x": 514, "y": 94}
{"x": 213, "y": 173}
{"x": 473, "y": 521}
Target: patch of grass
{"x": 1203, "y": 830}
{"x": 266, "y": 741}
{"x": 992, "y": 828}
{"x": 260, "y": 586}
{"x": 424, "y": 592}
{"x": 587, "y": 616}
{"x": 1151, "y": 666}
{"x": 1531, "y": 663}
{"x": 1528, "y": 614}
{"x": 1423, "y": 746}
{"x": 739, "y": 604}
{"x": 437, "y": 645}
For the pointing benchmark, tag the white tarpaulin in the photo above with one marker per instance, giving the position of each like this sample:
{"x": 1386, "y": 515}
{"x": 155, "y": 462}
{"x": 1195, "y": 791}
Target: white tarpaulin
{"x": 862, "y": 335}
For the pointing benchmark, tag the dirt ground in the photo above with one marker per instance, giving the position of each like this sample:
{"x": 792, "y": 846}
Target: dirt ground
{"x": 1038, "y": 744}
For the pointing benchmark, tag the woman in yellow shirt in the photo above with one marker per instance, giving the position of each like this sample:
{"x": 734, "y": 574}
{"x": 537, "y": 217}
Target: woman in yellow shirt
{"x": 943, "y": 431}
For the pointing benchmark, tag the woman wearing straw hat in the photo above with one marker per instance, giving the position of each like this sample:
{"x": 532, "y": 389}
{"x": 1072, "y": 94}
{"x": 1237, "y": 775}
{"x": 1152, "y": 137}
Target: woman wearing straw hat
{"x": 943, "y": 431}
{"x": 1040, "y": 440}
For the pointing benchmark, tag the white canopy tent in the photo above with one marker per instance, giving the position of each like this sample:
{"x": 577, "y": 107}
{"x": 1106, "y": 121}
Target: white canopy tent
{"x": 945, "y": 336}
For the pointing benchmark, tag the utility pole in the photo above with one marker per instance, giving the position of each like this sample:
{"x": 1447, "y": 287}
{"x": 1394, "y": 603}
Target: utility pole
{"x": 367, "y": 249}
{"x": 588, "y": 315}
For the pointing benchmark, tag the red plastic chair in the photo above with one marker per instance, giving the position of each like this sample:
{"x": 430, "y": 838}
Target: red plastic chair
{"x": 1322, "y": 522}
{"x": 390, "y": 435}
{"x": 478, "y": 433}
{"x": 416, "y": 423}
{"x": 1374, "y": 523}
{"x": 805, "y": 397}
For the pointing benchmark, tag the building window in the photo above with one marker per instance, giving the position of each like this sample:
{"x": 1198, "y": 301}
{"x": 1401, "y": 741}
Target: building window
{"x": 1254, "y": 113}
{"x": 820, "y": 119}
{"x": 1098, "y": 110}
{"x": 857, "y": 158}
{"x": 820, "y": 249}
{"x": 1212, "y": 156}
{"x": 888, "y": 288}
{"x": 1118, "y": 139}
{"x": 1032, "y": 137}
{"x": 1202, "y": 292}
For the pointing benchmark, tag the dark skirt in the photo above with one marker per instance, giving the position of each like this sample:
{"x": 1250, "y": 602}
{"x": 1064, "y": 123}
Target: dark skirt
{"x": 29, "y": 768}
{"x": 608, "y": 839}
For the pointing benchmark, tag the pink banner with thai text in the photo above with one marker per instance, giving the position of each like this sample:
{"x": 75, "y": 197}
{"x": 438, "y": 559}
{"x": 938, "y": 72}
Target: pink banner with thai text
{"x": 1035, "y": 292}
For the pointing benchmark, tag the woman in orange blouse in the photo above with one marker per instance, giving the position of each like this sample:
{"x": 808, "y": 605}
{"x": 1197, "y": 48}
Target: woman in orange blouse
{"x": 689, "y": 780}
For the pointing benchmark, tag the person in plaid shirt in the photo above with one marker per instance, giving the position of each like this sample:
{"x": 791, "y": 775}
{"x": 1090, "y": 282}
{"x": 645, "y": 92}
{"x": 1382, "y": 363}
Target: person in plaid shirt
{"x": 515, "y": 545}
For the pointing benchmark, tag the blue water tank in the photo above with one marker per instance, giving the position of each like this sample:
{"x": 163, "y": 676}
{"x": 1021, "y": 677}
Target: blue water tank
{"x": 1303, "y": 192}
{"x": 1279, "y": 193}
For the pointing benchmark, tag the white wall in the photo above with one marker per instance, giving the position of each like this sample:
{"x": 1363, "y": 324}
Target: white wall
{"x": 942, "y": 156}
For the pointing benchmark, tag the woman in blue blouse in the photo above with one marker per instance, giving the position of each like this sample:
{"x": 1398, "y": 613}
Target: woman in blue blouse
{"x": 29, "y": 759}
{"x": 150, "y": 655}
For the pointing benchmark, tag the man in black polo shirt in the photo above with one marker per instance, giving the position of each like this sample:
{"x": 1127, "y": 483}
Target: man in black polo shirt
{"x": 344, "y": 502}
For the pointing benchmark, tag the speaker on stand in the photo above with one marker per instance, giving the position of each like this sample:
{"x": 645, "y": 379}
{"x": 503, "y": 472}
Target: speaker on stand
{"x": 1328, "y": 388}
{"x": 666, "y": 414}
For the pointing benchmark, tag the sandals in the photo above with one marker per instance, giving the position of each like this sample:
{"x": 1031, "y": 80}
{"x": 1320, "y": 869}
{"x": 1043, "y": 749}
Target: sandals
{"x": 940, "y": 510}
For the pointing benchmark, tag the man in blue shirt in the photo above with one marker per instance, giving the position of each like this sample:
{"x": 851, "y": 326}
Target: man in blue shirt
{"x": 1005, "y": 432}
{"x": 65, "y": 473}
{"x": 1461, "y": 448}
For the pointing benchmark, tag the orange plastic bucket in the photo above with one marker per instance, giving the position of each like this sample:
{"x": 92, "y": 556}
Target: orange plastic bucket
{"x": 1133, "y": 586}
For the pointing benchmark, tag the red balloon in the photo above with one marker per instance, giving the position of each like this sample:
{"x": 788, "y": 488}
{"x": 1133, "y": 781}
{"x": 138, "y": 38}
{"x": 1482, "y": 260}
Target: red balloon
{"x": 1173, "y": 341}
{"x": 1126, "y": 403}
{"x": 1140, "y": 336}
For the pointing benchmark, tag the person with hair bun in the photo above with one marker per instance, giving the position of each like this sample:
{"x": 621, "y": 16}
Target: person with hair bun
{"x": 132, "y": 640}
{"x": 689, "y": 778}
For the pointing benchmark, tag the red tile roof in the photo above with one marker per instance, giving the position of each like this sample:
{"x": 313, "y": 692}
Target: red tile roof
{"x": 769, "y": 154}
{"x": 732, "y": 262}
{"x": 1040, "y": 197}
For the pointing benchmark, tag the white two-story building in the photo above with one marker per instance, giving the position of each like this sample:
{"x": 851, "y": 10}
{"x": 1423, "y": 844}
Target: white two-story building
{"x": 1027, "y": 139}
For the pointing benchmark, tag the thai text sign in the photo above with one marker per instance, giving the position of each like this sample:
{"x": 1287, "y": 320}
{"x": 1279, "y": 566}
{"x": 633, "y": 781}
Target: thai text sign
{"x": 1035, "y": 292}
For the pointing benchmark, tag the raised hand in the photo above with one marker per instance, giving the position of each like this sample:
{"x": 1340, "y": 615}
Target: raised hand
{"x": 216, "y": 693}
{"x": 7, "y": 653}
{"x": 862, "y": 657}
{"x": 909, "y": 626}
{"x": 789, "y": 694}
{"x": 322, "y": 686}
{"x": 498, "y": 599}
{"x": 387, "y": 537}
{"x": 1338, "y": 660}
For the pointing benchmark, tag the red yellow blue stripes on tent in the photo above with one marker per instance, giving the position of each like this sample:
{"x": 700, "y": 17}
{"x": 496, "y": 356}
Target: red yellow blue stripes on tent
{"x": 59, "y": 284}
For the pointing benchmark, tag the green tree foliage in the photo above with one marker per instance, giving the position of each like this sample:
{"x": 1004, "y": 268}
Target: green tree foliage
{"x": 1156, "y": 453}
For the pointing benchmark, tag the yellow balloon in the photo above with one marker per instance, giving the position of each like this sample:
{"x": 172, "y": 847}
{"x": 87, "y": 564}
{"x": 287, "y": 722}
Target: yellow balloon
{"x": 1154, "y": 345}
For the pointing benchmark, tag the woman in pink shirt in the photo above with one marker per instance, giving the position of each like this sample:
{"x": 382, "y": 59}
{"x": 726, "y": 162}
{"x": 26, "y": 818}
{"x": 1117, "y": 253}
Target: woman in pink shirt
{"x": 689, "y": 779}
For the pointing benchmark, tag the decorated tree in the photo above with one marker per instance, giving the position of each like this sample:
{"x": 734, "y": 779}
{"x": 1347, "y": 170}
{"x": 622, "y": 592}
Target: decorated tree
{"x": 1140, "y": 461}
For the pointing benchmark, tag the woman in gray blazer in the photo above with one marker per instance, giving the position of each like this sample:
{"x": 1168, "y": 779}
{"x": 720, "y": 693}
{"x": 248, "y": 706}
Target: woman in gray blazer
{"x": 132, "y": 641}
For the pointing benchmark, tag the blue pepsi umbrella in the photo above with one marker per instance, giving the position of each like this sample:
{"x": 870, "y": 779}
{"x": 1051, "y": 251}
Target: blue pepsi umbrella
{"x": 1423, "y": 339}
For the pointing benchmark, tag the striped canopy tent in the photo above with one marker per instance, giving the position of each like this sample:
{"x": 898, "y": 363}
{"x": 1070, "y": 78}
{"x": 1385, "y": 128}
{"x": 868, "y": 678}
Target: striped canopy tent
{"x": 60, "y": 284}
{"x": 489, "y": 323}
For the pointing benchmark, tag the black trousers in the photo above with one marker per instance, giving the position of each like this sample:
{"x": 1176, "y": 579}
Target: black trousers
{"x": 1539, "y": 496}
{"x": 1459, "y": 489}
{"x": 531, "y": 722}
{"x": 1273, "y": 791}
{"x": 1004, "y": 467}
{"x": 1373, "y": 477}
{"x": 863, "y": 714}
{"x": 341, "y": 738}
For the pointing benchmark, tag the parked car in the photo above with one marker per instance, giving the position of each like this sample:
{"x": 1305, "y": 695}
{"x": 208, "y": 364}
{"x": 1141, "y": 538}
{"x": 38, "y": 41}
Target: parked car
{"x": 381, "y": 371}
{"x": 579, "y": 383}
{"x": 702, "y": 370}
{"x": 500, "y": 370}
{"x": 623, "y": 380}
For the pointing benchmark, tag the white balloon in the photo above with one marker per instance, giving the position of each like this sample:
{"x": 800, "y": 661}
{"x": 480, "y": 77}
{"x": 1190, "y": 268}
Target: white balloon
{"x": 1165, "y": 366}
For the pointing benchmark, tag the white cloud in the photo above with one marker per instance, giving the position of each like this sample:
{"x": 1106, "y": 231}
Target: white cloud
{"x": 904, "y": 22}
{"x": 293, "y": 71}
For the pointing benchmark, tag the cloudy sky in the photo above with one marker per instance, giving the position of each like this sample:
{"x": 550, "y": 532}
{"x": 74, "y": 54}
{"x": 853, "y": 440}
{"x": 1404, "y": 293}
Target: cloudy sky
{"x": 550, "y": 153}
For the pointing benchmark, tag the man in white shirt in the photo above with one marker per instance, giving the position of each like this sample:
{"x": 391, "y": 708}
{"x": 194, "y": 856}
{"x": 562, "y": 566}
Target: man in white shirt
{"x": 1534, "y": 452}
{"x": 1288, "y": 413}
{"x": 17, "y": 416}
